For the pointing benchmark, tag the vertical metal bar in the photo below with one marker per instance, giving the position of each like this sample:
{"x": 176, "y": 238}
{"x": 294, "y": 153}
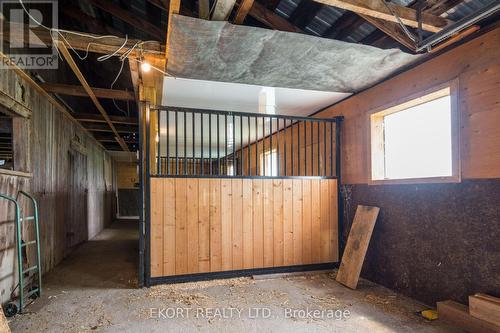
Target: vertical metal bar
{"x": 271, "y": 145}
{"x": 202, "y": 168}
{"x": 292, "y": 152}
{"x": 319, "y": 165}
{"x": 284, "y": 146}
{"x": 225, "y": 144}
{"x": 158, "y": 164}
{"x": 142, "y": 198}
{"x": 193, "y": 138}
{"x": 312, "y": 149}
{"x": 340, "y": 203}
{"x": 241, "y": 145}
{"x": 20, "y": 256}
{"x": 147, "y": 201}
{"x": 298, "y": 149}
{"x": 324, "y": 148}
{"x": 234, "y": 144}
{"x": 263, "y": 145}
{"x": 218, "y": 146}
{"x": 278, "y": 152}
{"x": 168, "y": 142}
{"x": 210, "y": 142}
{"x": 256, "y": 147}
{"x": 248, "y": 148}
{"x": 331, "y": 148}
{"x": 176, "y": 143}
{"x": 185, "y": 144}
{"x": 305, "y": 148}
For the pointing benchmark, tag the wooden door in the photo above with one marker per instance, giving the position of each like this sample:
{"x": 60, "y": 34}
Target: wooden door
{"x": 76, "y": 224}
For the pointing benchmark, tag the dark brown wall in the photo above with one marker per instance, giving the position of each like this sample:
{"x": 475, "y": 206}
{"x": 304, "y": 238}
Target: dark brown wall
{"x": 433, "y": 241}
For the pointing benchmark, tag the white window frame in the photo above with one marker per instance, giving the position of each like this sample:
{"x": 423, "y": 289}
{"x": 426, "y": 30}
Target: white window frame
{"x": 376, "y": 159}
{"x": 263, "y": 156}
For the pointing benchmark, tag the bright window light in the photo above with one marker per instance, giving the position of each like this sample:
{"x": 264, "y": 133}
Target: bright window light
{"x": 414, "y": 140}
{"x": 269, "y": 162}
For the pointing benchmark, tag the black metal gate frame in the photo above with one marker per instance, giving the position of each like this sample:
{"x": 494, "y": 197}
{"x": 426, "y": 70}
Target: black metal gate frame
{"x": 145, "y": 278}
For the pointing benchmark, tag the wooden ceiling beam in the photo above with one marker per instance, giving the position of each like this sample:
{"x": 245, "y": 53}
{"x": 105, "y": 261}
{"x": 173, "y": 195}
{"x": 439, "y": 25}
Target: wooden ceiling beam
{"x": 173, "y": 9}
{"x": 97, "y": 118}
{"x": 95, "y": 44}
{"x": 223, "y": 9}
{"x": 435, "y": 7}
{"x": 272, "y": 20}
{"x": 204, "y": 9}
{"x": 393, "y": 30}
{"x": 65, "y": 53}
{"x": 126, "y": 16}
{"x": 243, "y": 11}
{"x": 101, "y": 127}
{"x": 29, "y": 80}
{"x": 376, "y": 9}
{"x": 73, "y": 90}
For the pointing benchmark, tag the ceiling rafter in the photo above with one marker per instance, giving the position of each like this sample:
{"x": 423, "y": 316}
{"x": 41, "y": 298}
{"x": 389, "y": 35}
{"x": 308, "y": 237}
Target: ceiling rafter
{"x": 435, "y": 7}
{"x": 73, "y": 90}
{"x": 69, "y": 59}
{"x": 376, "y": 9}
{"x": 243, "y": 10}
{"x": 223, "y": 9}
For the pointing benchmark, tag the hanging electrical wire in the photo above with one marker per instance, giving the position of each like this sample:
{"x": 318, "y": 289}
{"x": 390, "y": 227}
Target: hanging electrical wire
{"x": 400, "y": 22}
{"x": 122, "y": 57}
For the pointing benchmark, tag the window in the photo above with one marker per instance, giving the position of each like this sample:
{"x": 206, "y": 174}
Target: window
{"x": 6, "y": 152}
{"x": 417, "y": 139}
{"x": 269, "y": 163}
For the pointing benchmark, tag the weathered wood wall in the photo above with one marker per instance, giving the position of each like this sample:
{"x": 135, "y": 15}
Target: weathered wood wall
{"x": 48, "y": 134}
{"x": 211, "y": 225}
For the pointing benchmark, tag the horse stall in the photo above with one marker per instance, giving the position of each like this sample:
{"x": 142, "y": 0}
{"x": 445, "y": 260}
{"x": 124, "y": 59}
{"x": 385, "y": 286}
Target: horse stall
{"x": 237, "y": 194}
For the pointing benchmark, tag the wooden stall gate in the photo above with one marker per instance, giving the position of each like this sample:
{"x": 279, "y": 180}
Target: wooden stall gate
{"x": 235, "y": 222}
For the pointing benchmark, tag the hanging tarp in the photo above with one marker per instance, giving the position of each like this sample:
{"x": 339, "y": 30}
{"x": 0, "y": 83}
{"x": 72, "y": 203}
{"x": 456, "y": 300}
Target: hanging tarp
{"x": 220, "y": 51}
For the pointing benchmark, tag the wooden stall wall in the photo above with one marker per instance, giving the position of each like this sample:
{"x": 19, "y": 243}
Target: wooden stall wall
{"x": 48, "y": 136}
{"x": 312, "y": 155}
{"x": 434, "y": 241}
{"x": 201, "y": 225}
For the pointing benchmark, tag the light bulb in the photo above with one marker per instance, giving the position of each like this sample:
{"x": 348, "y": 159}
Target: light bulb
{"x": 146, "y": 67}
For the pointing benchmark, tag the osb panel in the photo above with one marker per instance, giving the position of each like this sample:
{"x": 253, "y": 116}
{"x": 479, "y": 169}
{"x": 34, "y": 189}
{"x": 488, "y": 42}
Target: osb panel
{"x": 432, "y": 242}
{"x": 476, "y": 65}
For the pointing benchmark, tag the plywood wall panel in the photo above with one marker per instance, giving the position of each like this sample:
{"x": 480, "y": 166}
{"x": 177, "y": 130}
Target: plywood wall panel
{"x": 247, "y": 223}
{"x": 169, "y": 222}
{"x": 237, "y": 223}
{"x": 202, "y": 225}
{"x": 157, "y": 206}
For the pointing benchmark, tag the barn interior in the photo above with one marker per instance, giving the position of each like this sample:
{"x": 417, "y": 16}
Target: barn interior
{"x": 228, "y": 165}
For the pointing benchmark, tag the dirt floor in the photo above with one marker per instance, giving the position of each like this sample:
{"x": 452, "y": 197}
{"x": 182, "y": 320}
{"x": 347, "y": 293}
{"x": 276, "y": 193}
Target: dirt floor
{"x": 93, "y": 290}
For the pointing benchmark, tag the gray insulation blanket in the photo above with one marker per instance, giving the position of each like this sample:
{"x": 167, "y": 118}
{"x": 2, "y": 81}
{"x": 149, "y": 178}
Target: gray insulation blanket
{"x": 220, "y": 51}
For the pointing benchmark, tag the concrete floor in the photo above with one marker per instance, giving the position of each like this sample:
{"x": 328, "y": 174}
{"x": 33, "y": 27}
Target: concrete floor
{"x": 93, "y": 290}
